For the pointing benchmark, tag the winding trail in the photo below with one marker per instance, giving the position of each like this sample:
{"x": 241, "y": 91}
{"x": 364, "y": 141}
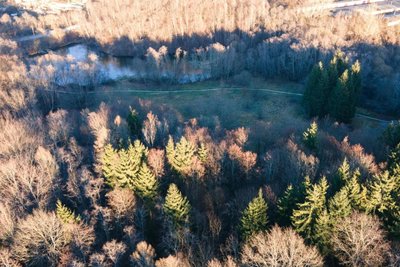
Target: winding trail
{"x": 159, "y": 92}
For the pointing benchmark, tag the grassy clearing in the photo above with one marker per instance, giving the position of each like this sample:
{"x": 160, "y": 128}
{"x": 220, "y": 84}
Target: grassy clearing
{"x": 230, "y": 108}
{"x": 214, "y": 103}
{"x": 222, "y": 106}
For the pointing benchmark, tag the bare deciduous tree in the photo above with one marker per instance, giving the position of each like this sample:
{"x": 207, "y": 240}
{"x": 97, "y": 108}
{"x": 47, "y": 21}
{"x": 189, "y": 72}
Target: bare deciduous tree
{"x": 28, "y": 182}
{"x": 150, "y": 126}
{"x": 59, "y": 126}
{"x": 40, "y": 239}
{"x": 82, "y": 237}
{"x": 7, "y": 222}
{"x": 359, "y": 240}
{"x": 144, "y": 255}
{"x": 279, "y": 248}
{"x": 18, "y": 136}
{"x": 114, "y": 251}
{"x": 156, "y": 161}
{"x": 99, "y": 127}
{"x": 173, "y": 261}
{"x": 98, "y": 260}
{"x": 6, "y": 259}
{"x": 229, "y": 262}
{"x": 122, "y": 202}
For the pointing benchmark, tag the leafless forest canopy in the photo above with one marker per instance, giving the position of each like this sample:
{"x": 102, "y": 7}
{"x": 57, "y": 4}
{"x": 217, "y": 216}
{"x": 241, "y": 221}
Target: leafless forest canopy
{"x": 284, "y": 156}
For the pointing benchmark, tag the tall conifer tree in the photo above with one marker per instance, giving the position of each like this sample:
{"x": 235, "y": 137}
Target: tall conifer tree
{"x": 146, "y": 184}
{"x": 254, "y": 218}
{"x": 176, "y": 206}
{"x": 304, "y": 218}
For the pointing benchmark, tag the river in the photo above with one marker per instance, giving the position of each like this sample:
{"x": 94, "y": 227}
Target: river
{"x": 79, "y": 64}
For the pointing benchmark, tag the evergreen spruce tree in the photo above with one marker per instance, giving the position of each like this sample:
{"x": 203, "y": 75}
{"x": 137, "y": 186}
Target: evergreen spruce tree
{"x": 176, "y": 206}
{"x": 326, "y": 92}
{"x": 146, "y": 184}
{"x": 333, "y": 90}
{"x": 180, "y": 157}
{"x": 344, "y": 172}
{"x": 382, "y": 193}
{"x": 393, "y": 223}
{"x": 65, "y": 214}
{"x": 137, "y": 154}
{"x": 323, "y": 231}
{"x": 340, "y": 205}
{"x": 333, "y": 75}
{"x": 121, "y": 167}
{"x": 134, "y": 123}
{"x": 337, "y": 67}
{"x": 286, "y": 204}
{"x": 109, "y": 163}
{"x": 394, "y": 161}
{"x": 138, "y": 151}
{"x": 357, "y": 193}
{"x": 354, "y": 87}
{"x": 202, "y": 152}
{"x": 304, "y": 218}
{"x": 383, "y": 201}
{"x": 306, "y": 185}
{"x": 391, "y": 135}
{"x": 314, "y": 97}
{"x": 254, "y": 217}
{"x": 341, "y": 102}
{"x": 342, "y": 176}
{"x": 170, "y": 149}
{"x": 310, "y": 136}
{"x": 126, "y": 170}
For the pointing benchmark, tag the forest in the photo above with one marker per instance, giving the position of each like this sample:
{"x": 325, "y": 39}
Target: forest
{"x": 250, "y": 133}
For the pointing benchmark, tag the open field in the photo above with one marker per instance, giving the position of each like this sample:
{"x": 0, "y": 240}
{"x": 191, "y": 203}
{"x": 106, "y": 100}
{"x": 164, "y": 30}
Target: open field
{"x": 213, "y": 102}
{"x": 210, "y": 100}
{"x": 388, "y": 9}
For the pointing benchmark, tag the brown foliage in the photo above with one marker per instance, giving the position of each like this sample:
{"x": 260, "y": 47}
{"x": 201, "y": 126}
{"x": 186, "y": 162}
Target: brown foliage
{"x": 173, "y": 261}
{"x": 114, "y": 251}
{"x": 122, "y": 202}
{"x": 144, "y": 255}
{"x": 356, "y": 154}
{"x": 246, "y": 159}
{"x": 156, "y": 161}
